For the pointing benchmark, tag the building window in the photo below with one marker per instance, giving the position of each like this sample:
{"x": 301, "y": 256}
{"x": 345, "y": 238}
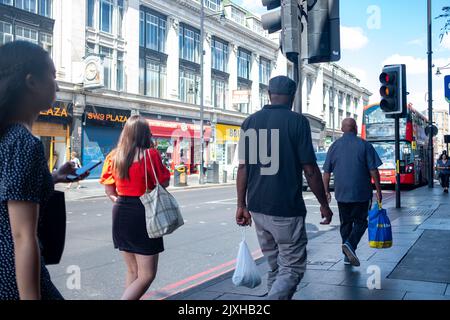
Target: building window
{"x": 244, "y": 63}
{"x": 120, "y": 72}
{"x": 331, "y": 117}
{"x": 45, "y": 8}
{"x": 219, "y": 91}
{"x": 26, "y": 34}
{"x": 189, "y": 44}
{"x": 47, "y": 42}
{"x": 244, "y": 107}
{"x": 219, "y": 55}
{"x": 153, "y": 31}
{"x": 264, "y": 97}
{"x": 340, "y": 100}
{"x": 213, "y": 4}
{"x": 348, "y": 101}
{"x": 27, "y": 5}
{"x": 90, "y": 13}
{"x": 237, "y": 16}
{"x": 107, "y": 55}
{"x": 189, "y": 86}
{"x": 90, "y": 48}
{"x": 120, "y": 13}
{"x": 106, "y": 14}
{"x": 9, "y": 2}
{"x": 153, "y": 75}
{"x": 341, "y": 115}
{"x": 6, "y": 34}
{"x": 264, "y": 71}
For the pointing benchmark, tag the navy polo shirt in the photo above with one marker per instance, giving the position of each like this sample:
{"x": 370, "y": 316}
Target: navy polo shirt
{"x": 275, "y": 187}
{"x": 350, "y": 159}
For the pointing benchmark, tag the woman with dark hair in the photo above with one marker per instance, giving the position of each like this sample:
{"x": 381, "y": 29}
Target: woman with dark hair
{"x": 443, "y": 165}
{"x": 27, "y": 87}
{"x": 124, "y": 178}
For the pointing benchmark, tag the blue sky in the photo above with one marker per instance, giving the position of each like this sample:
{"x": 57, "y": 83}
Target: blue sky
{"x": 398, "y": 36}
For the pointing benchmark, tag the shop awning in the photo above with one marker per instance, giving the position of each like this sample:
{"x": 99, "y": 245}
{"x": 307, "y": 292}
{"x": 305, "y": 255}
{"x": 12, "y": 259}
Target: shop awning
{"x": 172, "y": 129}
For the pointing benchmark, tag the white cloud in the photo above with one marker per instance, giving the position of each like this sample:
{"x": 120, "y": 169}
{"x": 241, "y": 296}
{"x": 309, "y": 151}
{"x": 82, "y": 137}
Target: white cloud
{"x": 414, "y": 65}
{"x": 417, "y": 42}
{"x": 446, "y": 42}
{"x": 254, "y": 6}
{"x": 353, "y": 38}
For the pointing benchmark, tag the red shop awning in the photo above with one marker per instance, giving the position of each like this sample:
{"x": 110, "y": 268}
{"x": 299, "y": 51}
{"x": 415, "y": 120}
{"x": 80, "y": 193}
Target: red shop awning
{"x": 172, "y": 129}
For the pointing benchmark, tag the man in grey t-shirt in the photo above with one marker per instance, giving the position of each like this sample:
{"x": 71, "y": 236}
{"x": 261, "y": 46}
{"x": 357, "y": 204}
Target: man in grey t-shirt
{"x": 353, "y": 161}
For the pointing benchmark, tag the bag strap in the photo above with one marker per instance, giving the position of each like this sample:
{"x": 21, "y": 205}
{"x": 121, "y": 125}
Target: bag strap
{"x": 153, "y": 169}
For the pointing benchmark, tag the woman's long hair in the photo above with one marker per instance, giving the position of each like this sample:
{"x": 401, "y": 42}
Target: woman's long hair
{"x": 17, "y": 60}
{"x": 136, "y": 135}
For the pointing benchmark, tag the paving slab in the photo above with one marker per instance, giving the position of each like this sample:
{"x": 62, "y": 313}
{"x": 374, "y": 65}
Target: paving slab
{"x": 428, "y": 259}
{"x": 331, "y": 292}
{"x": 424, "y": 296}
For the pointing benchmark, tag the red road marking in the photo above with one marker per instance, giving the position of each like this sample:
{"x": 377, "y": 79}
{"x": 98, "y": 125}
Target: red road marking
{"x": 171, "y": 287}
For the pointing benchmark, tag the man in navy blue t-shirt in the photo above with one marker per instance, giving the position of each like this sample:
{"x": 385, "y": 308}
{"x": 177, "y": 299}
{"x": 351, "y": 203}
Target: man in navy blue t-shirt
{"x": 275, "y": 145}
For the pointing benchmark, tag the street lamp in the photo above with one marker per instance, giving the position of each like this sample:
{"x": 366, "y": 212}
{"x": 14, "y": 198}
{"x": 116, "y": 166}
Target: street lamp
{"x": 438, "y": 71}
{"x": 222, "y": 19}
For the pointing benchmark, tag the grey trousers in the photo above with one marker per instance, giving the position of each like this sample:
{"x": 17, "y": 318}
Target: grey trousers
{"x": 283, "y": 242}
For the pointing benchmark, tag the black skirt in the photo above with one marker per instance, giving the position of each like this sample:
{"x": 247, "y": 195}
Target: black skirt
{"x": 129, "y": 230}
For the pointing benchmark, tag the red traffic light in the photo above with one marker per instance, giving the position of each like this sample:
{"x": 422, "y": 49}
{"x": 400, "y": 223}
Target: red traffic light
{"x": 387, "y": 78}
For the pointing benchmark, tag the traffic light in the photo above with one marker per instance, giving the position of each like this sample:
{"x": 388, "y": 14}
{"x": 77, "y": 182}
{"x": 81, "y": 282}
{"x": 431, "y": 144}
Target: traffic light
{"x": 286, "y": 19}
{"x": 324, "y": 39}
{"x": 393, "y": 89}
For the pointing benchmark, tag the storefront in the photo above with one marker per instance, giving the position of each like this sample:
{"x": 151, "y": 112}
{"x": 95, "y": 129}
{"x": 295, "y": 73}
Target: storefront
{"x": 53, "y": 129}
{"x": 179, "y": 142}
{"x": 101, "y": 131}
{"x": 226, "y": 146}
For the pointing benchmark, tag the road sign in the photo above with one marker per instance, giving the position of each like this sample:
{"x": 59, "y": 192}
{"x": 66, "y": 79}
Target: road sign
{"x": 434, "y": 130}
{"x": 447, "y": 88}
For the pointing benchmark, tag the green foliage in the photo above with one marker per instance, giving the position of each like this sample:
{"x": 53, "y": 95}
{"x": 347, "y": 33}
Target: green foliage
{"x": 446, "y": 16}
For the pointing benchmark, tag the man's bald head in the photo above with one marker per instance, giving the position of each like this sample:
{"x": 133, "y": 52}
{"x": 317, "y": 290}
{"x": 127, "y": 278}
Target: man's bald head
{"x": 349, "y": 125}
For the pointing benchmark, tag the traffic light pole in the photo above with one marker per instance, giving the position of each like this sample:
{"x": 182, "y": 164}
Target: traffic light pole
{"x": 430, "y": 102}
{"x": 397, "y": 162}
{"x": 298, "y": 81}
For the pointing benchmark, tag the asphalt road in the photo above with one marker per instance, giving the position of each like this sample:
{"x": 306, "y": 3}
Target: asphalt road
{"x": 205, "y": 247}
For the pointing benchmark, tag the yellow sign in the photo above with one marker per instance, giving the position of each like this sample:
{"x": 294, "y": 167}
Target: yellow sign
{"x": 414, "y": 145}
{"x": 227, "y": 133}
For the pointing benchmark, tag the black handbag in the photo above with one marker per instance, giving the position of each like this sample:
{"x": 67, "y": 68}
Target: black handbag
{"x": 52, "y": 228}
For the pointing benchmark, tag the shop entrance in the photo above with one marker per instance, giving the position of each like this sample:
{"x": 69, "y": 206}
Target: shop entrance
{"x": 56, "y": 140}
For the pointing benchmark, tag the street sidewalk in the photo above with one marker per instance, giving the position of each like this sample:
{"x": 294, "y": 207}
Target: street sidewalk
{"x": 93, "y": 189}
{"x": 417, "y": 267}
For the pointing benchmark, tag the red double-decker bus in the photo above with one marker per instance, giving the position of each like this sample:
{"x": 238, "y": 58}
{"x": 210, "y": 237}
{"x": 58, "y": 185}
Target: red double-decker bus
{"x": 413, "y": 144}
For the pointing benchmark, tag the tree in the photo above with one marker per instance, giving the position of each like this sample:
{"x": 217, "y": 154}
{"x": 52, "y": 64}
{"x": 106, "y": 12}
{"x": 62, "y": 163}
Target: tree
{"x": 446, "y": 16}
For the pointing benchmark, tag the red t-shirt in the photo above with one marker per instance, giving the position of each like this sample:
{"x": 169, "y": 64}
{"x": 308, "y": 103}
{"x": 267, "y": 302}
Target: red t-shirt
{"x": 135, "y": 185}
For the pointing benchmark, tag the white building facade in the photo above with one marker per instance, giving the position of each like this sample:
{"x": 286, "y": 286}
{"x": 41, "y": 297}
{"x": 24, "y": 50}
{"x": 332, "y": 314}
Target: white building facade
{"x": 149, "y": 54}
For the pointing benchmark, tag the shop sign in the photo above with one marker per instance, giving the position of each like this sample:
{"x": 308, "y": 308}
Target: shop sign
{"x": 60, "y": 112}
{"x": 241, "y": 96}
{"x": 227, "y": 133}
{"x": 106, "y": 116}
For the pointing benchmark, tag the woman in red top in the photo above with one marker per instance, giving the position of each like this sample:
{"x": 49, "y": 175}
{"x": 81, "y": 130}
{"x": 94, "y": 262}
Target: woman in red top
{"x": 124, "y": 178}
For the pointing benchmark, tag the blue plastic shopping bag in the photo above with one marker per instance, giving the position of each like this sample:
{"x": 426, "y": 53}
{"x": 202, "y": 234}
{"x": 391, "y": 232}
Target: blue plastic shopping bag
{"x": 380, "y": 230}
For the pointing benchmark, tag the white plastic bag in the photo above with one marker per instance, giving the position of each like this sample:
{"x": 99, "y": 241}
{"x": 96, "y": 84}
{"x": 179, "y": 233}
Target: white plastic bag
{"x": 246, "y": 273}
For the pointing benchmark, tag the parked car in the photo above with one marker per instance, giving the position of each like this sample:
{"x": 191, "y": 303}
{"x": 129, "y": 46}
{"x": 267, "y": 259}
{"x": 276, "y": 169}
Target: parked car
{"x": 320, "y": 156}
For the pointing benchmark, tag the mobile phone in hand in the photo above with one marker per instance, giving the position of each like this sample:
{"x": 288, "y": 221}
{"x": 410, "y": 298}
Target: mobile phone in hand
{"x": 79, "y": 172}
